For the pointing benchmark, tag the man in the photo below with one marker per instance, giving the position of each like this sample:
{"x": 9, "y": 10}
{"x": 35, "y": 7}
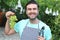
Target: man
{"x": 30, "y": 29}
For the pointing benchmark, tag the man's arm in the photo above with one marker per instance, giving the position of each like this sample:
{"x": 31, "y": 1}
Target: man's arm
{"x": 8, "y": 31}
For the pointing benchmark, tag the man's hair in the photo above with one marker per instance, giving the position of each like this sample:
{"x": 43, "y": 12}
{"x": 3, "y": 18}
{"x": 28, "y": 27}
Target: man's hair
{"x": 32, "y": 2}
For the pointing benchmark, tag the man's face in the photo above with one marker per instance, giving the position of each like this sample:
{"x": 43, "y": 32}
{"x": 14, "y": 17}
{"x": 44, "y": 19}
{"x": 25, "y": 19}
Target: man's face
{"x": 32, "y": 11}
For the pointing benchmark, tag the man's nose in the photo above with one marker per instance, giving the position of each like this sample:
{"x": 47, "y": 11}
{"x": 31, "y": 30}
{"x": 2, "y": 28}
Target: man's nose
{"x": 32, "y": 10}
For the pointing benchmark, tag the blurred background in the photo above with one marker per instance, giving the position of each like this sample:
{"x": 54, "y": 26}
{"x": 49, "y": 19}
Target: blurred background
{"x": 49, "y": 13}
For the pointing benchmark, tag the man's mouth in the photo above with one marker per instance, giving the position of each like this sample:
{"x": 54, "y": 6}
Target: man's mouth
{"x": 32, "y": 13}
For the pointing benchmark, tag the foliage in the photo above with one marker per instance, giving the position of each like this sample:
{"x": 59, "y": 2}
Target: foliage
{"x": 11, "y": 3}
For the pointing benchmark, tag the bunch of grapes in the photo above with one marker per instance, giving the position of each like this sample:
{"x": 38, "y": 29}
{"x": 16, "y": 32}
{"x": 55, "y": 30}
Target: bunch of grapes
{"x": 13, "y": 20}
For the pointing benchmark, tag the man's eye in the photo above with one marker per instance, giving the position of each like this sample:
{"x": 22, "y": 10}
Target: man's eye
{"x": 34, "y": 8}
{"x": 29, "y": 8}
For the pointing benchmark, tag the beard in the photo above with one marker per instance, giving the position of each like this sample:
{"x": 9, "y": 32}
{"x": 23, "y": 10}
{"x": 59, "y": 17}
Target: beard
{"x": 32, "y": 18}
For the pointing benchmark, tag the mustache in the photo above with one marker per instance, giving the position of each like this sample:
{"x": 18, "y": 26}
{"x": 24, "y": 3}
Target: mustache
{"x": 32, "y": 13}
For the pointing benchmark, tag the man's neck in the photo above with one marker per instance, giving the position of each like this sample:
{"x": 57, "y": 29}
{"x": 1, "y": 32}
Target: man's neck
{"x": 35, "y": 21}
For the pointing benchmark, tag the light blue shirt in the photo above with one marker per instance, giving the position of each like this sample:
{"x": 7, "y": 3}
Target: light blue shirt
{"x": 21, "y": 25}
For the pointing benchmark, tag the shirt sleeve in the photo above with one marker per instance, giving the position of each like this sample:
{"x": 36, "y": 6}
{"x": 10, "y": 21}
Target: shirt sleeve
{"x": 16, "y": 27}
{"x": 48, "y": 34}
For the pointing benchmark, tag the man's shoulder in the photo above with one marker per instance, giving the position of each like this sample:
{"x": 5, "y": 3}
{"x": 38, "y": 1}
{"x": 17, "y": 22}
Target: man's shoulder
{"x": 43, "y": 24}
{"x": 46, "y": 27}
{"x": 21, "y": 23}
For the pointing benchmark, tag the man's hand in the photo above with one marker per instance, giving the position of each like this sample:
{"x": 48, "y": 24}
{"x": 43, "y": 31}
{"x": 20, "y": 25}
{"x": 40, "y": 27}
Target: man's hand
{"x": 8, "y": 30}
{"x": 41, "y": 38}
{"x": 8, "y": 14}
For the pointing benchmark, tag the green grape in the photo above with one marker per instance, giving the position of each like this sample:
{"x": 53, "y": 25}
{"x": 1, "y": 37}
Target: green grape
{"x": 12, "y": 21}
